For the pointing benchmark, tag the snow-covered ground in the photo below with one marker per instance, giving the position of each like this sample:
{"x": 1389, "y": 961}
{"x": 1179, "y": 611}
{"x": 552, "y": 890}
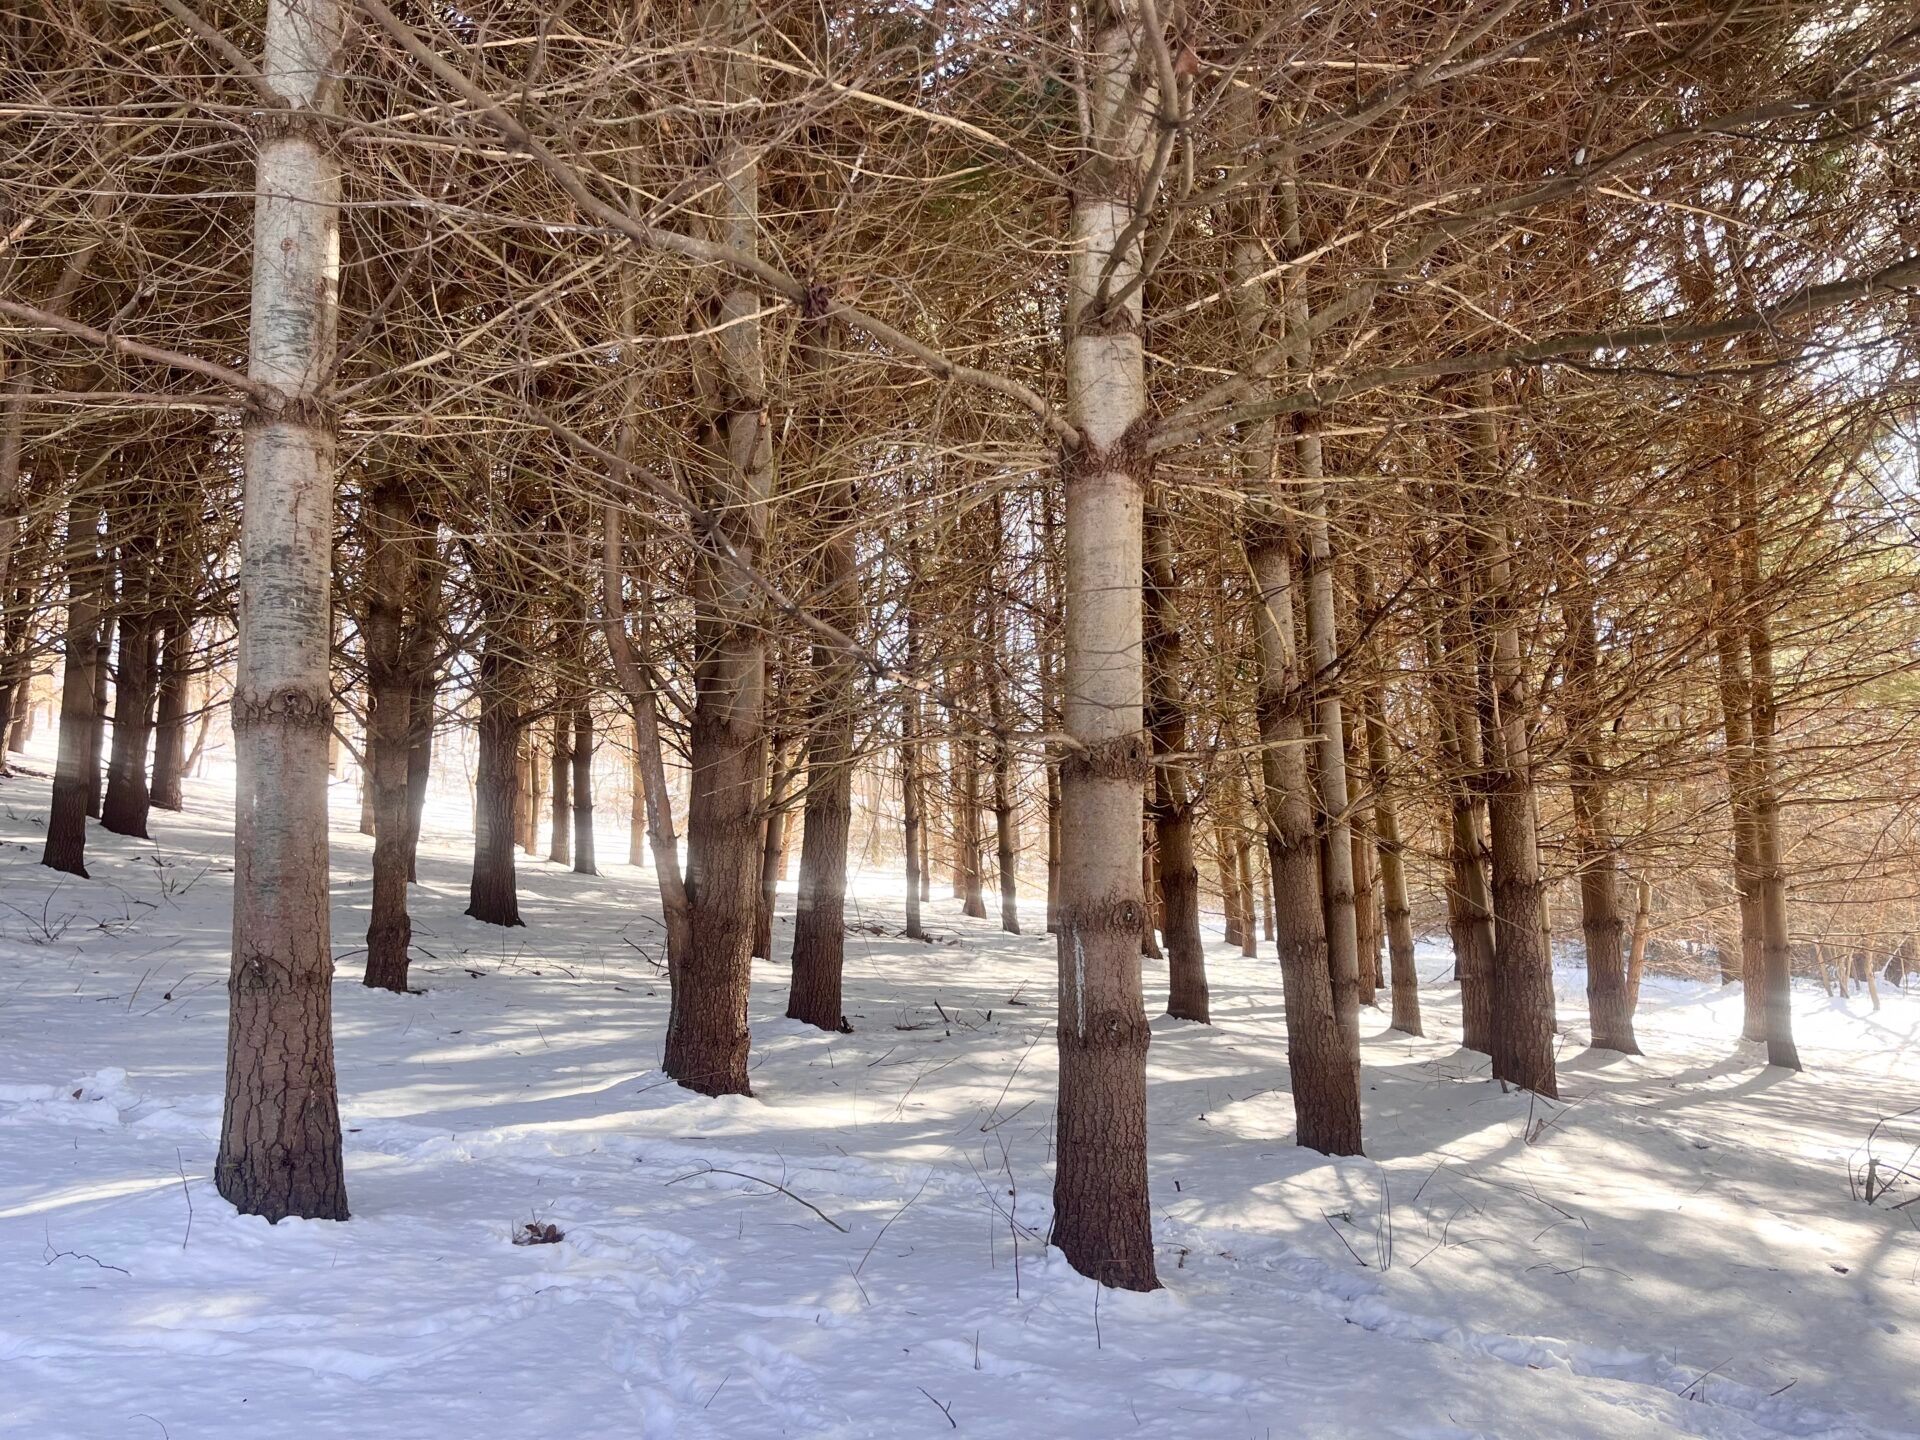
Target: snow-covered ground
{"x": 1675, "y": 1250}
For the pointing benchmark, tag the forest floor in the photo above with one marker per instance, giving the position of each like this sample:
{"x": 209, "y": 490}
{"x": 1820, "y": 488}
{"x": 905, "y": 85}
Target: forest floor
{"x": 1678, "y": 1248}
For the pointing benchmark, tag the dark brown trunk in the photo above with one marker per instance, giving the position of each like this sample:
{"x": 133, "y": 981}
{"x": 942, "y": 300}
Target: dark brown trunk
{"x": 66, "y": 846}
{"x": 1609, "y": 1010}
{"x": 391, "y": 575}
{"x": 560, "y": 777}
{"x": 530, "y": 791}
{"x": 819, "y": 917}
{"x": 1171, "y": 805}
{"x": 102, "y": 669}
{"x": 419, "y": 768}
{"x": 493, "y": 896}
{"x": 583, "y": 856}
{"x": 819, "y": 920}
{"x": 561, "y": 772}
{"x": 1393, "y": 873}
{"x": 773, "y": 843}
{"x": 123, "y": 808}
{"x": 1776, "y": 946}
{"x": 1523, "y": 1001}
{"x": 967, "y": 838}
{"x": 170, "y": 728}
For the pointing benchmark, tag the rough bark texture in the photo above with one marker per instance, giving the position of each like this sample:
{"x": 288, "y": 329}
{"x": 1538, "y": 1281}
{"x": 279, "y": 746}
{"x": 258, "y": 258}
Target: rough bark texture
{"x": 583, "y": 856}
{"x": 1770, "y": 871}
{"x": 102, "y": 670}
{"x": 419, "y": 765}
{"x": 170, "y": 725}
{"x": 1102, "y": 1221}
{"x": 560, "y": 779}
{"x": 1323, "y": 1052}
{"x": 649, "y": 761}
{"x": 1523, "y": 1016}
{"x": 1609, "y": 1010}
{"x": 1330, "y": 767}
{"x": 912, "y": 810}
{"x": 773, "y": 842}
{"x": 280, "y": 1137}
{"x": 1006, "y": 834}
{"x": 494, "y": 894}
{"x": 707, "y": 1036}
{"x": 391, "y": 576}
{"x": 968, "y": 866}
{"x": 123, "y": 807}
{"x": 1325, "y": 1068}
{"x": 819, "y": 917}
{"x": 1405, "y": 978}
{"x": 66, "y": 847}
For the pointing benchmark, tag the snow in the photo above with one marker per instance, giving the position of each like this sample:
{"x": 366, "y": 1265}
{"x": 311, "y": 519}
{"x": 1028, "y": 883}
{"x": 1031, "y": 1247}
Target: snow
{"x": 1678, "y": 1249}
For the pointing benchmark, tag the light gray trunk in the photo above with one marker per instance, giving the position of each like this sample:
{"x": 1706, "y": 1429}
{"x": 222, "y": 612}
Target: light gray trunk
{"x": 280, "y": 1138}
{"x": 1102, "y": 1222}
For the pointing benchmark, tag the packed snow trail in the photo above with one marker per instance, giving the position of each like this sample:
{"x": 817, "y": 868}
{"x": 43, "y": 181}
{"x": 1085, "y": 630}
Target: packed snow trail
{"x": 1675, "y": 1250}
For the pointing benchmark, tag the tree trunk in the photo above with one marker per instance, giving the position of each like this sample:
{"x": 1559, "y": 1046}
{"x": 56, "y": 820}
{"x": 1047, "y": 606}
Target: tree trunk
{"x": 1171, "y": 805}
{"x": 1609, "y": 1011}
{"x": 494, "y": 895}
{"x": 1323, "y": 1053}
{"x": 123, "y": 809}
{"x": 583, "y": 856}
{"x": 1642, "y": 930}
{"x": 1102, "y": 1222}
{"x": 966, "y": 831}
{"x": 392, "y": 563}
{"x": 1393, "y": 873}
{"x": 102, "y": 669}
{"x": 280, "y": 1137}
{"x": 914, "y": 828}
{"x": 560, "y": 776}
{"x": 819, "y": 917}
{"x": 66, "y": 846}
{"x": 912, "y": 805}
{"x": 1330, "y": 768}
{"x": 1522, "y": 982}
{"x": 648, "y": 757}
{"x": 170, "y": 729}
{"x": 1523, "y": 1003}
{"x": 1776, "y": 955}
{"x": 1006, "y": 833}
{"x": 637, "y": 807}
{"x": 773, "y": 841}
{"x": 419, "y": 764}
{"x": 707, "y": 1037}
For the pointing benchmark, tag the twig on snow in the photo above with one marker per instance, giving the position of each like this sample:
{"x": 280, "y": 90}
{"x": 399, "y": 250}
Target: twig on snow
{"x": 707, "y": 1169}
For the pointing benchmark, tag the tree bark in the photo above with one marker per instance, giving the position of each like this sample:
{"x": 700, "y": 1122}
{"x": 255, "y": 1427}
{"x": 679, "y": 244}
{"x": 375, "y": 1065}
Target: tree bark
{"x": 66, "y": 846}
{"x": 1323, "y": 1052}
{"x": 1171, "y": 805}
{"x": 1522, "y": 989}
{"x": 170, "y": 728}
{"x": 493, "y": 896}
{"x": 280, "y": 1137}
{"x": 707, "y": 1037}
{"x": 582, "y": 754}
{"x": 419, "y": 763}
{"x": 392, "y": 564}
{"x": 649, "y": 758}
{"x": 1102, "y": 1221}
{"x": 819, "y": 917}
{"x": 102, "y": 669}
{"x": 1405, "y": 977}
{"x": 1609, "y": 1010}
{"x": 1776, "y": 954}
{"x": 560, "y": 777}
{"x": 123, "y": 809}
{"x": 783, "y": 763}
